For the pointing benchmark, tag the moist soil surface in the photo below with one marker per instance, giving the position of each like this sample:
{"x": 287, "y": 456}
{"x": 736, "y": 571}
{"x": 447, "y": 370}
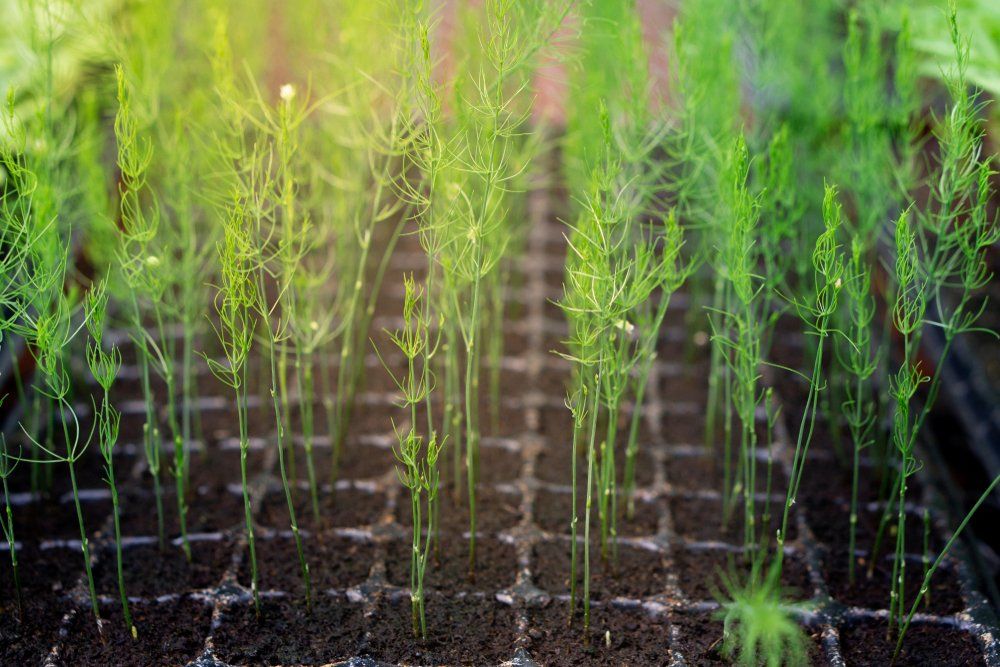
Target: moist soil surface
{"x": 708, "y": 571}
{"x": 617, "y": 636}
{"x": 638, "y": 573}
{"x": 152, "y": 572}
{"x": 170, "y": 632}
{"x": 285, "y": 633}
{"x": 864, "y": 643}
{"x": 475, "y": 629}
{"x": 336, "y": 563}
{"x": 553, "y": 513}
{"x": 448, "y": 573}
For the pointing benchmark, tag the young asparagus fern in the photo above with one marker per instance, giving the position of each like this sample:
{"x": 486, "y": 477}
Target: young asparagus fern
{"x": 908, "y": 316}
{"x": 417, "y": 454}
{"x": 140, "y": 261}
{"x": 7, "y": 465}
{"x": 104, "y": 366}
{"x": 828, "y": 269}
{"x": 738, "y": 334}
{"x": 235, "y": 305}
{"x": 929, "y": 571}
{"x": 52, "y": 333}
{"x": 860, "y": 360}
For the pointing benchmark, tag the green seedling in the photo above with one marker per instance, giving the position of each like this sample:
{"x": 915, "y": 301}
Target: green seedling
{"x": 417, "y": 454}
{"x": 104, "y": 366}
{"x": 141, "y": 264}
{"x": 828, "y": 271}
{"x": 7, "y": 466}
{"x": 758, "y": 627}
{"x": 235, "y": 305}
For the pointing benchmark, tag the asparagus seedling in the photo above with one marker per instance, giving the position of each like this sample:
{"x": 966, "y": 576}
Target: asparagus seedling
{"x": 141, "y": 265}
{"x": 276, "y": 269}
{"x": 673, "y": 271}
{"x": 908, "y": 315}
{"x": 236, "y": 309}
{"x": 417, "y": 454}
{"x": 104, "y": 366}
{"x": 860, "y": 360}
{"x": 929, "y": 572}
{"x": 828, "y": 269}
{"x": 51, "y": 334}
{"x": 739, "y": 336}
{"x": 7, "y": 466}
{"x": 491, "y": 122}
{"x": 603, "y": 284}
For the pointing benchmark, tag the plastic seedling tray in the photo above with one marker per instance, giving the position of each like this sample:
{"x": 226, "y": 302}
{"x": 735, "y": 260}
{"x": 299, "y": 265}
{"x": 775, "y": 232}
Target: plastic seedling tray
{"x": 657, "y": 608}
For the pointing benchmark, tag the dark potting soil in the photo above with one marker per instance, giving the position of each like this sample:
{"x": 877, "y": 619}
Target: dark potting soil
{"x": 685, "y": 385}
{"x": 517, "y": 344}
{"x": 209, "y": 512}
{"x": 509, "y": 422}
{"x": 27, "y": 641}
{"x": 552, "y": 510}
{"x": 89, "y": 475}
{"x": 467, "y": 630}
{"x": 516, "y": 310}
{"x": 51, "y": 519}
{"x": 638, "y": 573}
{"x": 645, "y": 520}
{"x": 701, "y": 520}
{"x": 702, "y": 574}
{"x": 367, "y": 421}
{"x": 830, "y": 521}
{"x": 46, "y": 576}
{"x": 499, "y": 465}
{"x": 698, "y": 639}
{"x": 217, "y": 467}
{"x": 48, "y": 572}
{"x": 833, "y": 482}
{"x": 944, "y": 595}
{"x": 223, "y": 423}
{"x": 697, "y": 473}
{"x": 554, "y": 275}
{"x": 169, "y": 633}
{"x": 496, "y": 511}
{"x": 334, "y": 562}
{"x": 865, "y": 643}
{"x": 496, "y": 566}
{"x": 553, "y": 464}
{"x": 349, "y": 507}
{"x": 152, "y": 572}
{"x": 554, "y": 381}
{"x": 552, "y": 311}
{"x": 205, "y": 384}
{"x": 684, "y": 429}
{"x": 285, "y": 633}
{"x": 552, "y": 514}
{"x": 356, "y": 462}
{"x": 617, "y": 636}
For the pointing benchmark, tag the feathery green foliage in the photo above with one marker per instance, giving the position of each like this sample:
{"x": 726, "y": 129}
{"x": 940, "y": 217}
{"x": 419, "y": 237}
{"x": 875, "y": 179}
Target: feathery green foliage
{"x": 758, "y": 628}
{"x": 104, "y": 366}
{"x": 417, "y": 453}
